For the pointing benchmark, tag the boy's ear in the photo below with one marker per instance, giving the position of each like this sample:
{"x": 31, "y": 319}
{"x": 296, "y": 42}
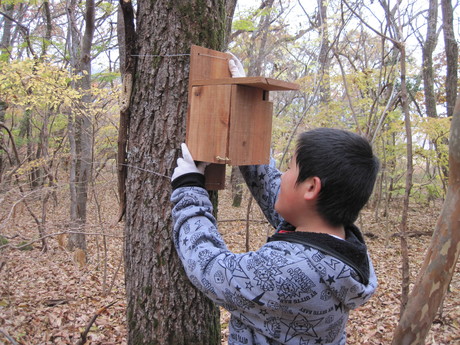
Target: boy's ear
{"x": 312, "y": 188}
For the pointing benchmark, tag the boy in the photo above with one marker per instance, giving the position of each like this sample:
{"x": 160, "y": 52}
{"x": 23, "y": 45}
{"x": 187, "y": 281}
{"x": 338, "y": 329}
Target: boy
{"x": 300, "y": 286}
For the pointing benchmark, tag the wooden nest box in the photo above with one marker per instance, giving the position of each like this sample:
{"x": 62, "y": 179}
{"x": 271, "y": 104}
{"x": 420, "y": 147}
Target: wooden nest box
{"x": 229, "y": 120}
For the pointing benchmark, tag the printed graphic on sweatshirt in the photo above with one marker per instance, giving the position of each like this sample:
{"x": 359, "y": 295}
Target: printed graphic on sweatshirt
{"x": 283, "y": 293}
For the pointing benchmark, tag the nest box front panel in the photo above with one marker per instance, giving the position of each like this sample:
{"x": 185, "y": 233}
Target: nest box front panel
{"x": 208, "y": 123}
{"x": 250, "y": 126}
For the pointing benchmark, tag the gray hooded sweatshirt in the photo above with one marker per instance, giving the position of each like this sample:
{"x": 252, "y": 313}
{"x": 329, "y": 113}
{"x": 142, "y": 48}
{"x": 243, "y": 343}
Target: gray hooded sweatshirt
{"x": 296, "y": 289}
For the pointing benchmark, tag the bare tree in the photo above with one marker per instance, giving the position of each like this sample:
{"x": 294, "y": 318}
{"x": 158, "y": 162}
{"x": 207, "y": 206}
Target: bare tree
{"x": 441, "y": 258}
{"x": 399, "y": 44}
{"x": 451, "y": 48}
{"x": 427, "y": 57}
{"x": 324, "y": 60}
{"x": 80, "y": 135}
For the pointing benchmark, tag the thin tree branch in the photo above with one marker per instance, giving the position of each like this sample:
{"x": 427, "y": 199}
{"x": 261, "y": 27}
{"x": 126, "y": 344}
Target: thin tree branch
{"x": 25, "y": 31}
{"x": 396, "y": 43}
{"x": 7, "y": 336}
{"x": 55, "y": 234}
{"x": 84, "y": 334}
{"x": 347, "y": 93}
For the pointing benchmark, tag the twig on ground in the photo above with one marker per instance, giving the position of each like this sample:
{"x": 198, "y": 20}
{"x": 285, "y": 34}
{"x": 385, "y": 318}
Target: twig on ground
{"x": 55, "y": 234}
{"x": 414, "y": 234}
{"x": 7, "y": 336}
{"x": 84, "y": 334}
{"x": 107, "y": 291}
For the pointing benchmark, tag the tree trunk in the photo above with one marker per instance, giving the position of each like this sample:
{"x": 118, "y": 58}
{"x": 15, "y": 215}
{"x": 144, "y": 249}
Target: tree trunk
{"x": 451, "y": 49}
{"x": 258, "y": 48}
{"x": 3, "y": 107}
{"x": 127, "y": 47}
{"x": 323, "y": 58}
{"x": 5, "y": 42}
{"x": 7, "y": 28}
{"x": 163, "y": 307}
{"x": 441, "y": 258}
{"x": 237, "y": 183}
{"x": 408, "y": 187}
{"x": 82, "y": 130}
{"x": 49, "y": 27}
{"x": 428, "y": 77}
{"x": 427, "y": 57}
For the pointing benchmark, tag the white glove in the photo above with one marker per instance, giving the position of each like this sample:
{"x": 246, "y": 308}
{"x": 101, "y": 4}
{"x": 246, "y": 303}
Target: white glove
{"x": 236, "y": 67}
{"x": 186, "y": 165}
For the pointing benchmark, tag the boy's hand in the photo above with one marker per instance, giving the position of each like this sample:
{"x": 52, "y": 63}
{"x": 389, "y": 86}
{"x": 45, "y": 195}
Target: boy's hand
{"x": 187, "y": 165}
{"x": 236, "y": 67}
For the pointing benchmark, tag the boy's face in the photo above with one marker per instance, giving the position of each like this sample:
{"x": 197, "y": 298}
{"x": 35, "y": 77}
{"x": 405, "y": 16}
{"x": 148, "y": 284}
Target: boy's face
{"x": 290, "y": 202}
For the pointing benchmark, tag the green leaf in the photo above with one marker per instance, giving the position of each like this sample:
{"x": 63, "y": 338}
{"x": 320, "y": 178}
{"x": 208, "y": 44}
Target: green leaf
{"x": 106, "y": 76}
{"x": 244, "y": 24}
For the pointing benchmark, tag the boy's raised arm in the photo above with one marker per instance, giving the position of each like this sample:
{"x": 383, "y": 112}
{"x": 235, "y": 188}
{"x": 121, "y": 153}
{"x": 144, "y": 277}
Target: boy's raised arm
{"x": 264, "y": 182}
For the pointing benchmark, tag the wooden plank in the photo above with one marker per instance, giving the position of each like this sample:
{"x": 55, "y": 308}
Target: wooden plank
{"x": 209, "y": 119}
{"x": 267, "y": 84}
{"x": 204, "y": 64}
{"x": 250, "y": 126}
{"x": 282, "y": 85}
{"x": 208, "y": 64}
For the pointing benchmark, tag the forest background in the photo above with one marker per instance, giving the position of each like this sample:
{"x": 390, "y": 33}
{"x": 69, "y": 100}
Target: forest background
{"x": 385, "y": 70}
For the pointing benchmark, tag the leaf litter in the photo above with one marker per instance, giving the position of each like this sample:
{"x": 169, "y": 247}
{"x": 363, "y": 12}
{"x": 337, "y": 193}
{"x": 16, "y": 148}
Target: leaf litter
{"x": 46, "y": 298}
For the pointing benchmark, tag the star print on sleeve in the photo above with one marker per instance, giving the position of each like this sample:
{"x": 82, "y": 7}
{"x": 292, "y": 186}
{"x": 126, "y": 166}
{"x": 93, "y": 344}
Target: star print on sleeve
{"x": 302, "y": 326}
{"x": 330, "y": 279}
{"x": 360, "y": 295}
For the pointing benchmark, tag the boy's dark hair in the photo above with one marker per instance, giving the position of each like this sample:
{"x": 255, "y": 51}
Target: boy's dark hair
{"x": 347, "y": 167}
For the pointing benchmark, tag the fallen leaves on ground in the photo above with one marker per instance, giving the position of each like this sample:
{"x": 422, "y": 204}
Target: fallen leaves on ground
{"x": 46, "y": 298}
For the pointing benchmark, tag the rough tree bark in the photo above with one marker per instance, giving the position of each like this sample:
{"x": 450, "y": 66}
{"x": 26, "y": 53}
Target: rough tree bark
{"x": 441, "y": 258}
{"x": 163, "y": 307}
{"x": 428, "y": 77}
{"x": 127, "y": 46}
{"x": 427, "y": 57}
{"x": 323, "y": 59}
{"x": 451, "y": 48}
